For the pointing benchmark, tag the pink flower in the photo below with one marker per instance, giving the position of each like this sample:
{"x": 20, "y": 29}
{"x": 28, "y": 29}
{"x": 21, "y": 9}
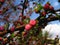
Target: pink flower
{"x": 12, "y": 29}
{"x": 0, "y": 11}
{"x": 28, "y": 27}
{"x": 1, "y": 38}
{"x": 1, "y": 0}
{"x": 32, "y": 22}
{"x": 1, "y": 28}
{"x": 46, "y": 6}
{"x": 51, "y": 7}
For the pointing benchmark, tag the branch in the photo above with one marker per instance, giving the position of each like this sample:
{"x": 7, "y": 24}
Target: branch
{"x": 44, "y": 22}
{"x": 16, "y": 29}
{"x": 52, "y": 18}
{"x": 57, "y": 10}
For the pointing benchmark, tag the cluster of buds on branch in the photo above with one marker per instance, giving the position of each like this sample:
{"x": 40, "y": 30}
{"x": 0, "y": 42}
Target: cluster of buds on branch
{"x": 23, "y": 24}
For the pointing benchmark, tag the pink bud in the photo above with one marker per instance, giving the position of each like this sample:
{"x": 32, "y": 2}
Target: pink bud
{"x": 12, "y": 29}
{"x": 1, "y": 28}
{"x": 1, "y": 0}
{"x": 1, "y": 38}
{"x": 0, "y": 11}
{"x": 28, "y": 27}
{"x": 51, "y": 7}
{"x": 46, "y": 6}
{"x": 32, "y": 22}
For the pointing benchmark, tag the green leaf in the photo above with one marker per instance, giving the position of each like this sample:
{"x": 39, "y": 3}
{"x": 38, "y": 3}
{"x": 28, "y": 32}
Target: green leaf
{"x": 18, "y": 24}
{"x": 46, "y": 34}
{"x": 42, "y": 17}
{"x": 31, "y": 32}
{"x": 26, "y": 20}
{"x": 12, "y": 35}
{"x": 58, "y": 16}
{"x": 6, "y": 26}
{"x": 40, "y": 34}
{"x": 38, "y": 7}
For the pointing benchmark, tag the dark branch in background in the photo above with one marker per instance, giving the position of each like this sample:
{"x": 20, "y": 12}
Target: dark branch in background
{"x": 52, "y": 18}
{"x": 44, "y": 22}
{"x": 57, "y": 10}
{"x": 16, "y": 29}
{"x": 24, "y": 7}
{"x": 59, "y": 1}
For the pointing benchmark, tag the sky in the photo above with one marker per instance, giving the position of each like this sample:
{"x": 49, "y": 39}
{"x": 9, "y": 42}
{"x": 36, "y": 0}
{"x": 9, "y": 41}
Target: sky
{"x": 52, "y": 27}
